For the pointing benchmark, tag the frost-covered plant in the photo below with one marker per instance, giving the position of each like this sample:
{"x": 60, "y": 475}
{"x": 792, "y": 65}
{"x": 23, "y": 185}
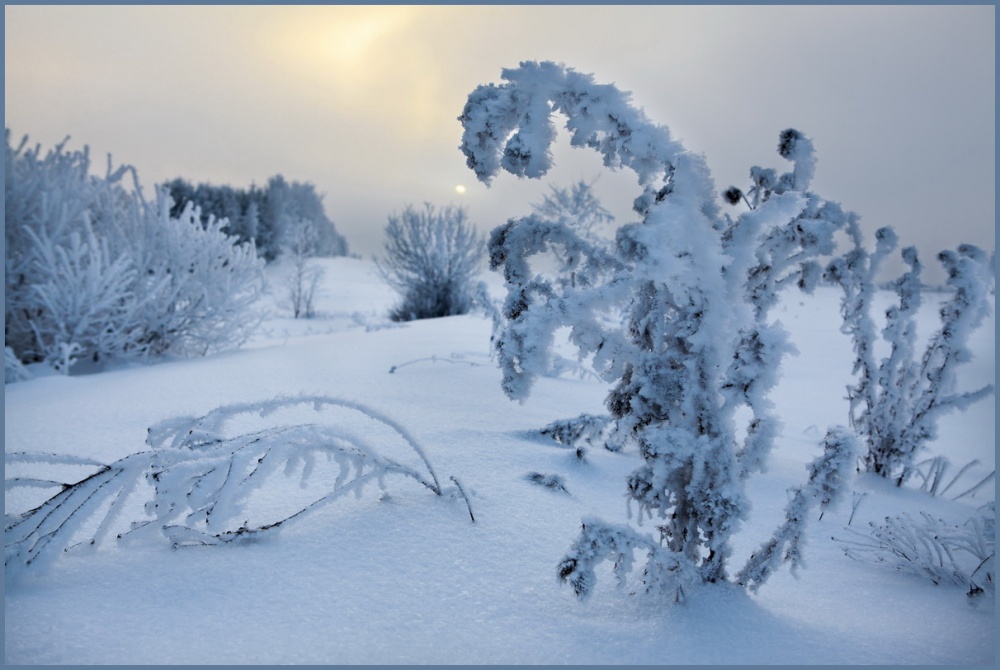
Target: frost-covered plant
{"x": 203, "y": 474}
{"x": 931, "y": 473}
{"x": 897, "y": 400}
{"x": 586, "y": 429}
{"x": 303, "y": 279}
{"x": 93, "y": 270}
{"x": 827, "y": 482}
{"x": 694, "y": 288}
{"x": 960, "y": 554}
{"x": 431, "y": 258}
{"x": 14, "y": 370}
{"x": 86, "y": 304}
{"x": 665, "y": 573}
{"x": 554, "y": 482}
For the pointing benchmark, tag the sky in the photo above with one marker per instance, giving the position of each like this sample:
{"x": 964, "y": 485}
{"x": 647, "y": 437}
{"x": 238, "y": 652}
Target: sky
{"x": 362, "y": 101}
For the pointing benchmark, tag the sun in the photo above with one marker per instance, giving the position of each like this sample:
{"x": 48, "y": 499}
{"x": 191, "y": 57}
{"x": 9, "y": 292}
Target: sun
{"x": 460, "y": 189}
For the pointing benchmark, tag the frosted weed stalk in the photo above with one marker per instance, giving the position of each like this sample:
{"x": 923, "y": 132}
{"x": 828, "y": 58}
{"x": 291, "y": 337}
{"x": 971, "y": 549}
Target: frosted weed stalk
{"x": 694, "y": 287}
{"x": 202, "y": 479}
{"x": 897, "y": 401}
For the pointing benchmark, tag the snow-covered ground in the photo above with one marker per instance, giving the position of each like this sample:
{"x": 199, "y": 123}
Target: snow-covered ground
{"x": 404, "y": 576}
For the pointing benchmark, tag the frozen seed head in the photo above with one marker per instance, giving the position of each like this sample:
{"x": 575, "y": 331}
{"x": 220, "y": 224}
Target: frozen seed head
{"x": 732, "y": 195}
{"x": 787, "y": 141}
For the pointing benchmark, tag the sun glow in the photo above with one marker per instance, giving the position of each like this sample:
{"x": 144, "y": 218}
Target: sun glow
{"x": 460, "y": 189}
{"x": 366, "y": 62}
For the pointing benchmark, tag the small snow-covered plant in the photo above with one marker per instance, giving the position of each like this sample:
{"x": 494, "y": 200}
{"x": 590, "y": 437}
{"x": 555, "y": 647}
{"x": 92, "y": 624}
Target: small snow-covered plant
{"x": 931, "y": 474}
{"x": 554, "y": 482}
{"x": 586, "y": 429}
{"x": 897, "y": 400}
{"x": 945, "y": 553}
{"x": 431, "y": 258}
{"x": 303, "y": 280}
{"x": 694, "y": 288}
{"x": 200, "y": 475}
{"x": 827, "y": 482}
{"x": 665, "y": 573}
{"x": 14, "y": 370}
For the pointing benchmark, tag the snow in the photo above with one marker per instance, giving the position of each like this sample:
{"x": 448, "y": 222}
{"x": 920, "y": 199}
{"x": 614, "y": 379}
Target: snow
{"x": 406, "y": 577}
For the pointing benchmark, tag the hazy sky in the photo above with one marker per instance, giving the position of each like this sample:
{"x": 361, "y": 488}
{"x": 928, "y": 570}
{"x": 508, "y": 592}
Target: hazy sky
{"x": 362, "y": 101}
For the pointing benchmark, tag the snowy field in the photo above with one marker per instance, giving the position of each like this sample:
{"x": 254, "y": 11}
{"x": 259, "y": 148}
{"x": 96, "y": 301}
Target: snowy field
{"x": 404, "y": 576}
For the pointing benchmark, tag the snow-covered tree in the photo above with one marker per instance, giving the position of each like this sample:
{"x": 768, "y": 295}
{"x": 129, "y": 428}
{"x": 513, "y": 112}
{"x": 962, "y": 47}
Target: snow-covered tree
{"x": 578, "y": 204}
{"x": 694, "y": 287}
{"x": 431, "y": 258}
{"x": 897, "y": 400}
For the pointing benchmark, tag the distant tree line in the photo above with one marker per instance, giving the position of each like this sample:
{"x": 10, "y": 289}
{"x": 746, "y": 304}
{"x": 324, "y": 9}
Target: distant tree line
{"x": 270, "y": 216}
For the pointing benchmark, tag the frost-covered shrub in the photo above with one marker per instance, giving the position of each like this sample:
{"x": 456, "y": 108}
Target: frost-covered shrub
{"x": 200, "y": 475}
{"x": 897, "y": 400}
{"x": 93, "y": 270}
{"x": 14, "y": 370}
{"x": 431, "y": 258}
{"x": 694, "y": 287}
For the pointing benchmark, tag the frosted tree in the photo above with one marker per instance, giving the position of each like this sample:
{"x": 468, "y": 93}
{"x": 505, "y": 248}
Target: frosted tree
{"x": 897, "y": 400}
{"x": 577, "y": 204}
{"x": 431, "y": 258}
{"x": 694, "y": 287}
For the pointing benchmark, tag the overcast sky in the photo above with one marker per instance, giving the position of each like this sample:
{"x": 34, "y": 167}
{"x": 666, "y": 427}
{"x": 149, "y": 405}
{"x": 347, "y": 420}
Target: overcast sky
{"x": 362, "y": 101}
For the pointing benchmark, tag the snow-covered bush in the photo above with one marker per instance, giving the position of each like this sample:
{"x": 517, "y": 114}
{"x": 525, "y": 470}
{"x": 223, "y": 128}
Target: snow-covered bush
{"x": 897, "y": 400}
{"x": 694, "y": 287}
{"x": 93, "y": 270}
{"x": 200, "y": 474}
{"x": 960, "y": 554}
{"x": 431, "y": 259}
